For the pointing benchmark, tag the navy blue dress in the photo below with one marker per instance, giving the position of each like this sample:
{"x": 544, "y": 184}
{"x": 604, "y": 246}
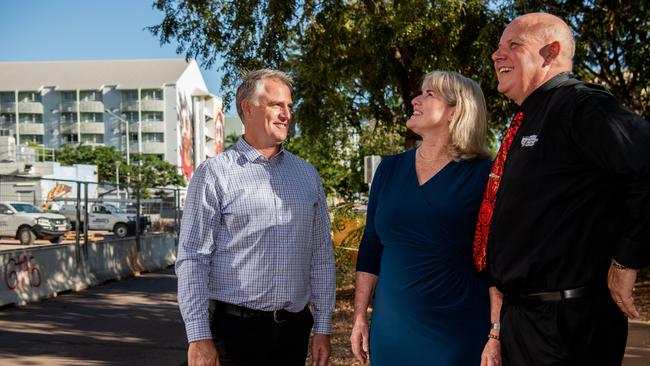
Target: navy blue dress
{"x": 430, "y": 306}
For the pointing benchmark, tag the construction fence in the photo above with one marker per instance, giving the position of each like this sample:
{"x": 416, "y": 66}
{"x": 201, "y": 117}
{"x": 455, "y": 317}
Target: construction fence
{"x": 103, "y": 206}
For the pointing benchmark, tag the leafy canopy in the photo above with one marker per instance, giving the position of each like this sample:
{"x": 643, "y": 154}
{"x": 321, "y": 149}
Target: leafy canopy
{"x": 359, "y": 63}
{"x": 153, "y": 171}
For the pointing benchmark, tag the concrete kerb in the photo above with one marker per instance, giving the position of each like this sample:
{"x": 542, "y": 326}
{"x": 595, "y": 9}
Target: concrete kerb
{"x": 35, "y": 273}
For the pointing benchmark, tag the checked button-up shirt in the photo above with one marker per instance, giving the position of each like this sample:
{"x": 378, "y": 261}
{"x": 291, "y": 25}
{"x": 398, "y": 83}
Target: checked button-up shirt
{"x": 256, "y": 233}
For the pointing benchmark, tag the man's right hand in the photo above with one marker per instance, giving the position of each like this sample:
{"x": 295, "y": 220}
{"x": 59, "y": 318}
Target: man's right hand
{"x": 202, "y": 353}
{"x": 359, "y": 340}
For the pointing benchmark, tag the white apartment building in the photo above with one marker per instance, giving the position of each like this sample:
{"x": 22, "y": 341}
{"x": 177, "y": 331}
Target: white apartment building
{"x": 159, "y": 107}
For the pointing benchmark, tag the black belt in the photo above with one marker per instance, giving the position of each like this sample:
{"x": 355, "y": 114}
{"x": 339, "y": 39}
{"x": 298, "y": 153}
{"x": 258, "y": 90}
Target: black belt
{"x": 278, "y": 316}
{"x": 551, "y": 296}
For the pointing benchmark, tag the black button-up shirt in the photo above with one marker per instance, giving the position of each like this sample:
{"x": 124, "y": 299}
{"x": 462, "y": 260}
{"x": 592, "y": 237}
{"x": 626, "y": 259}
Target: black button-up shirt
{"x": 575, "y": 192}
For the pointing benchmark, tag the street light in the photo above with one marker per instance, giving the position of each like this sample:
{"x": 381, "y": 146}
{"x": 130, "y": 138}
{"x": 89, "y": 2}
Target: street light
{"x": 117, "y": 178}
{"x": 126, "y": 123}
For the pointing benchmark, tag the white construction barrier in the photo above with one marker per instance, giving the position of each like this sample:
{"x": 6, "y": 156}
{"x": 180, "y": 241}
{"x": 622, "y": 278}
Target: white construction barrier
{"x": 34, "y": 273}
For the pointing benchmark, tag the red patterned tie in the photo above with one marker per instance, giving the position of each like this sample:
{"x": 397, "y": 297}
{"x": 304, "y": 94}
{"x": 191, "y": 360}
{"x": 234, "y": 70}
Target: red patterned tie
{"x": 490, "y": 195}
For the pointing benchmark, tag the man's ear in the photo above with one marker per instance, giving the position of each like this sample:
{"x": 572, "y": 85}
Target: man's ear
{"x": 246, "y": 107}
{"x": 550, "y": 52}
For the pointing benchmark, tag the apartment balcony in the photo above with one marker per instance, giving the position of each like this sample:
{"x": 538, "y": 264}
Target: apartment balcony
{"x": 130, "y": 106}
{"x": 8, "y": 107}
{"x": 8, "y": 126}
{"x": 148, "y": 126}
{"x": 30, "y": 107}
{"x": 92, "y": 127}
{"x": 91, "y": 106}
{"x": 31, "y": 129}
{"x": 69, "y": 107}
{"x": 153, "y": 148}
{"x": 153, "y": 105}
{"x": 68, "y": 128}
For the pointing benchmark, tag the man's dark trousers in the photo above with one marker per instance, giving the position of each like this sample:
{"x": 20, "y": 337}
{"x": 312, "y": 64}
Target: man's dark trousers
{"x": 572, "y": 332}
{"x": 264, "y": 340}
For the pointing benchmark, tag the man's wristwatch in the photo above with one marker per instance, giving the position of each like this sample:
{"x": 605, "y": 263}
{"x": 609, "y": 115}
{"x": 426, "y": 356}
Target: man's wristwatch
{"x": 495, "y": 326}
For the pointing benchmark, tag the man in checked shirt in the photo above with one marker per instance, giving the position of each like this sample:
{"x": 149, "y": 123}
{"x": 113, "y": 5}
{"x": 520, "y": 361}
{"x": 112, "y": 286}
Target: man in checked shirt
{"x": 255, "y": 247}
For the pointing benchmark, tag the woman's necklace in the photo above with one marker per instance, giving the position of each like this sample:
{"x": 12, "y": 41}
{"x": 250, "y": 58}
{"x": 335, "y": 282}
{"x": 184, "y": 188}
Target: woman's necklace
{"x": 419, "y": 152}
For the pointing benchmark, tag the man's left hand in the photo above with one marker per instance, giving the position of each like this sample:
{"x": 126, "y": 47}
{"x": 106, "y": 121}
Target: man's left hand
{"x": 320, "y": 349}
{"x": 621, "y": 284}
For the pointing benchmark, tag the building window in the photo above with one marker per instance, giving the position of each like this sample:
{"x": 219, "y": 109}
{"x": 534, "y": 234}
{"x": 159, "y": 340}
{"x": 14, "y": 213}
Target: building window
{"x": 92, "y": 138}
{"x": 31, "y": 139}
{"x": 129, "y": 95}
{"x": 152, "y": 94}
{"x": 130, "y": 116}
{"x": 68, "y": 96}
{"x": 30, "y": 118}
{"x": 153, "y": 137}
{"x": 8, "y": 118}
{"x": 90, "y": 96}
{"x": 134, "y": 137}
{"x": 7, "y": 97}
{"x": 152, "y": 116}
{"x": 29, "y": 96}
{"x": 92, "y": 117}
{"x": 69, "y": 117}
{"x": 71, "y": 138}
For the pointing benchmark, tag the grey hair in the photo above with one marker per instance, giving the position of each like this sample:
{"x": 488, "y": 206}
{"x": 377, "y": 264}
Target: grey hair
{"x": 251, "y": 85}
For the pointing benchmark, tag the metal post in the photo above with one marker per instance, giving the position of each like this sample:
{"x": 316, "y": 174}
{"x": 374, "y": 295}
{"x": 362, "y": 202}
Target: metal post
{"x": 117, "y": 179}
{"x": 86, "y": 224}
{"x": 78, "y": 223}
{"x": 176, "y": 224}
{"x": 137, "y": 217}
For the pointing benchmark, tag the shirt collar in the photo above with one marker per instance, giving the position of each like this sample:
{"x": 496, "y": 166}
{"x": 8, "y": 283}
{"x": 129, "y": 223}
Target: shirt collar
{"x": 251, "y": 154}
{"x": 538, "y": 94}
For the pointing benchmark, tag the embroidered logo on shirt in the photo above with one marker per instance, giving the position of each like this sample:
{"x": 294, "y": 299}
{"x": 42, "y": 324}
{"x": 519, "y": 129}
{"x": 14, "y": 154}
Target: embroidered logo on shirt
{"x": 528, "y": 141}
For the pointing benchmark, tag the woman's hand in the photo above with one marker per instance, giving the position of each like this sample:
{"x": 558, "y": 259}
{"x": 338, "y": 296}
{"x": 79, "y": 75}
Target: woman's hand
{"x": 359, "y": 340}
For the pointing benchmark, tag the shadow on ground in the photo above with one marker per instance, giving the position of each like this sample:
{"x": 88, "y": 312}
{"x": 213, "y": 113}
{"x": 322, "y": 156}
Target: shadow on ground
{"x": 133, "y": 322}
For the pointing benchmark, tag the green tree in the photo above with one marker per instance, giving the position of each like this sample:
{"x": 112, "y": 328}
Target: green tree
{"x": 230, "y": 139}
{"x": 612, "y": 44}
{"x": 353, "y": 61}
{"x": 154, "y": 172}
{"x": 338, "y": 155}
{"x": 357, "y": 64}
{"x": 102, "y": 156}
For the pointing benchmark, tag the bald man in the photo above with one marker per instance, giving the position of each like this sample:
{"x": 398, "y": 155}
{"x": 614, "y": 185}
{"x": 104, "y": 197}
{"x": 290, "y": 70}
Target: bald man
{"x": 570, "y": 226}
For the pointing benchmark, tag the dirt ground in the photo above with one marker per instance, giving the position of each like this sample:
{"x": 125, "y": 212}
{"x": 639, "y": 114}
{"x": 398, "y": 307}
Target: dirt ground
{"x": 342, "y": 320}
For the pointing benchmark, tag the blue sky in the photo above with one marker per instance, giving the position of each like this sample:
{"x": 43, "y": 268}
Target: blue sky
{"x": 40, "y": 30}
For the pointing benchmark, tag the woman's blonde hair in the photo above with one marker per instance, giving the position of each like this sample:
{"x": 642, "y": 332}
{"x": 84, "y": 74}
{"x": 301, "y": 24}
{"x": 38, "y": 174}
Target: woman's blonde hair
{"x": 468, "y": 127}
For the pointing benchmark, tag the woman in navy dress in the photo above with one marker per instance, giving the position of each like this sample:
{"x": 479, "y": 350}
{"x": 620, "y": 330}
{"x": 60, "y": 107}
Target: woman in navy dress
{"x": 430, "y": 306}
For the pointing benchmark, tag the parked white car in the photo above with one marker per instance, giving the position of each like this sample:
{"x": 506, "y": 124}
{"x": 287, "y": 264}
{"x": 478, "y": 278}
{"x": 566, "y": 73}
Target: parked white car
{"x": 26, "y": 223}
{"x": 103, "y": 216}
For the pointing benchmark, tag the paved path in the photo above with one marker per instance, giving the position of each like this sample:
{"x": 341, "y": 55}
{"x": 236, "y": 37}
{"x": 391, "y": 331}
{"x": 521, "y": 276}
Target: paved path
{"x": 134, "y": 322}
{"x": 638, "y": 345}
{"x": 130, "y": 322}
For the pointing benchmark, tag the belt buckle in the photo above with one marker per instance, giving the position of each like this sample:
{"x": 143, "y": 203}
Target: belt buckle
{"x": 277, "y": 316}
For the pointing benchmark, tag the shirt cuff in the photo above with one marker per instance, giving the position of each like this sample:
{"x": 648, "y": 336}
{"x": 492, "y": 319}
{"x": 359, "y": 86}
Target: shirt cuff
{"x": 197, "y": 330}
{"x": 322, "y": 324}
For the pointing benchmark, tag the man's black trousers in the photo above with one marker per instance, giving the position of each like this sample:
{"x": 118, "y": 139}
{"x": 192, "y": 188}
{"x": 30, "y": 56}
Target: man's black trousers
{"x": 265, "y": 340}
{"x": 572, "y": 332}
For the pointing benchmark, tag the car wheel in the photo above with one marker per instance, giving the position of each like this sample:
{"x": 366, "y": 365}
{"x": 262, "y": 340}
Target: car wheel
{"x": 120, "y": 230}
{"x": 26, "y": 236}
{"x": 57, "y": 240}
